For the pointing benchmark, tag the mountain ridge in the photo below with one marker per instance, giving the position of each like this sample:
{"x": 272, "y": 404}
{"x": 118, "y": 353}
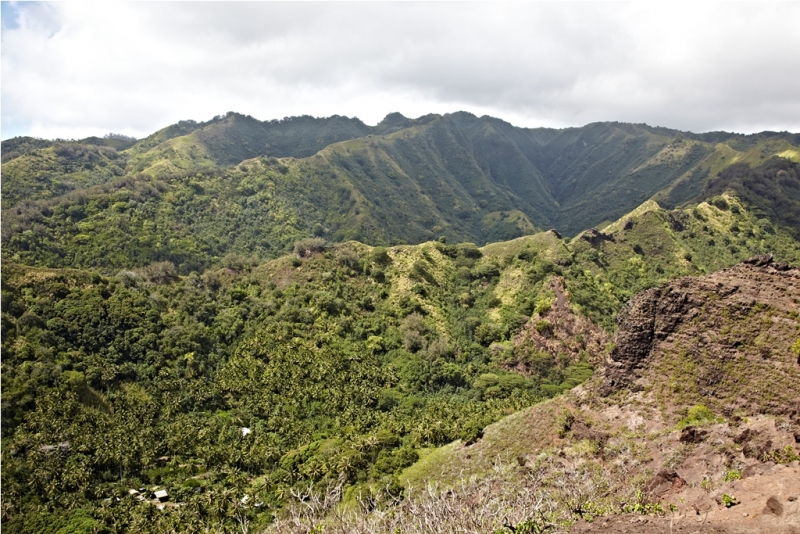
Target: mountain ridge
{"x": 460, "y": 176}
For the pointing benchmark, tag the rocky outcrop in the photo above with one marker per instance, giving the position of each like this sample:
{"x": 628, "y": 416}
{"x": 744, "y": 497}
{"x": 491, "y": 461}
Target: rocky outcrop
{"x": 703, "y": 310}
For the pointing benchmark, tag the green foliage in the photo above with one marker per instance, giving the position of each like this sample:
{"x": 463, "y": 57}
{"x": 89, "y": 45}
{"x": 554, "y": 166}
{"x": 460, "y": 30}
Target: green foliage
{"x": 543, "y": 305}
{"x": 698, "y": 415}
{"x": 564, "y": 422}
{"x": 770, "y": 189}
{"x": 785, "y": 455}
{"x": 732, "y": 474}
{"x": 729, "y": 500}
{"x": 78, "y": 521}
{"x": 642, "y": 506}
{"x": 529, "y": 526}
{"x": 308, "y": 246}
{"x": 56, "y": 168}
{"x": 343, "y": 361}
{"x": 88, "y": 204}
{"x": 544, "y": 327}
{"x": 169, "y": 368}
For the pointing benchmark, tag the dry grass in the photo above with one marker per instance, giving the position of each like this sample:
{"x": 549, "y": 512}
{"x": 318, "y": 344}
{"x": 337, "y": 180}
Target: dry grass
{"x": 510, "y": 499}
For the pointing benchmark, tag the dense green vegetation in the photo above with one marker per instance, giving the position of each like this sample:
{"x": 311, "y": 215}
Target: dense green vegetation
{"x": 57, "y": 169}
{"x": 343, "y": 361}
{"x": 772, "y": 190}
{"x": 160, "y": 297}
{"x": 402, "y": 181}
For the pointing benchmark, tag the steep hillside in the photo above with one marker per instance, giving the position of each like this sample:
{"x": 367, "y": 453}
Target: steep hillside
{"x": 571, "y": 179}
{"x": 694, "y": 422}
{"x": 402, "y": 181}
{"x": 232, "y": 138}
{"x": 45, "y": 169}
{"x": 772, "y": 190}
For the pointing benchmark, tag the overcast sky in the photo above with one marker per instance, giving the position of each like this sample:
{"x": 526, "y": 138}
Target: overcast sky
{"x": 72, "y": 69}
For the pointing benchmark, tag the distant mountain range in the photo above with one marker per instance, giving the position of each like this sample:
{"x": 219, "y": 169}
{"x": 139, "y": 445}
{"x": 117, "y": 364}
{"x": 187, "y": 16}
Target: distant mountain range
{"x": 270, "y": 183}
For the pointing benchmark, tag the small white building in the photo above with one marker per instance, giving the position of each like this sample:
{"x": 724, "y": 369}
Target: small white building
{"x": 161, "y": 495}
{"x": 245, "y": 431}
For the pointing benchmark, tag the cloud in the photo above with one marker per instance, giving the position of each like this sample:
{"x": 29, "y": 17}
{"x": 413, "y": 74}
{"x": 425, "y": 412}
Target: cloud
{"x": 77, "y": 69}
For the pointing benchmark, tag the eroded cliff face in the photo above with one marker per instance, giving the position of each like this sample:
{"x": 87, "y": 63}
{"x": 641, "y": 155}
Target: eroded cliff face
{"x": 727, "y": 336}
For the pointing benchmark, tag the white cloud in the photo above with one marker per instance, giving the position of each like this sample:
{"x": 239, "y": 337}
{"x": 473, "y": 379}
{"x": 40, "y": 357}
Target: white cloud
{"x": 77, "y": 69}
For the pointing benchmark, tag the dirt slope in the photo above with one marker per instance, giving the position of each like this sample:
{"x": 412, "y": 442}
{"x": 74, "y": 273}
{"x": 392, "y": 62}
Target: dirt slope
{"x": 727, "y": 342}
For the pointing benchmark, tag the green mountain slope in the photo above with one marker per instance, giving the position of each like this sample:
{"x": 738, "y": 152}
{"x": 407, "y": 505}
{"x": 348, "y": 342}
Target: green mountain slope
{"x": 347, "y": 361}
{"x": 772, "y": 190}
{"x": 55, "y": 168}
{"x": 402, "y": 181}
{"x": 233, "y": 138}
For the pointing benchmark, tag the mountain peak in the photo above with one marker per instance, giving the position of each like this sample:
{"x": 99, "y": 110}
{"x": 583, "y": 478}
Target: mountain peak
{"x": 393, "y": 122}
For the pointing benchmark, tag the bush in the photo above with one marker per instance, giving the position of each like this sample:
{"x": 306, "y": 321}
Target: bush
{"x": 486, "y": 271}
{"x": 380, "y": 256}
{"x": 720, "y": 202}
{"x": 469, "y": 250}
{"x": 698, "y": 415}
{"x": 543, "y": 305}
{"x": 412, "y": 331}
{"x": 544, "y": 327}
{"x": 487, "y": 333}
{"x": 729, "y": 500}
{"x": 161, "y": 272}
{"x": 471, "y": 432}
{"x": 345, "y": 257}
{"x": 237, "y": 262}
{"x": 306, "y": 247}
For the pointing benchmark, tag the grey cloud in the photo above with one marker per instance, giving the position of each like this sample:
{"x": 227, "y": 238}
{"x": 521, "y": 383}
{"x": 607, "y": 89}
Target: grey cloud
{"x": 730, "y": 66}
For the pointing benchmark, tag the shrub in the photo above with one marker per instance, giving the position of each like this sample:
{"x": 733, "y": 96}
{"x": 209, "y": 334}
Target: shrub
{"x": 564, "y": 422}
{"x": 471, "y": 432}
{"x": 380, "y": 256}
{"x": 543, "y": 305}
{"x": 720, "y": 202}
{"x": 412, "y": 331}
{"x": 345, "y": 257}
{"x": 420, "y": 272}
{"x": 306, "y": 247}
{"x": 161, "y": 272}
{"x": 469, "y": 250}
{"x": 544, "y": 327}
{"x": 487, "y": 271}
{"x": 486, "y": 333}
{"x": 698, "y": 415}
{"x": 237, "y": 262}
{"x": 733, "y": 474}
